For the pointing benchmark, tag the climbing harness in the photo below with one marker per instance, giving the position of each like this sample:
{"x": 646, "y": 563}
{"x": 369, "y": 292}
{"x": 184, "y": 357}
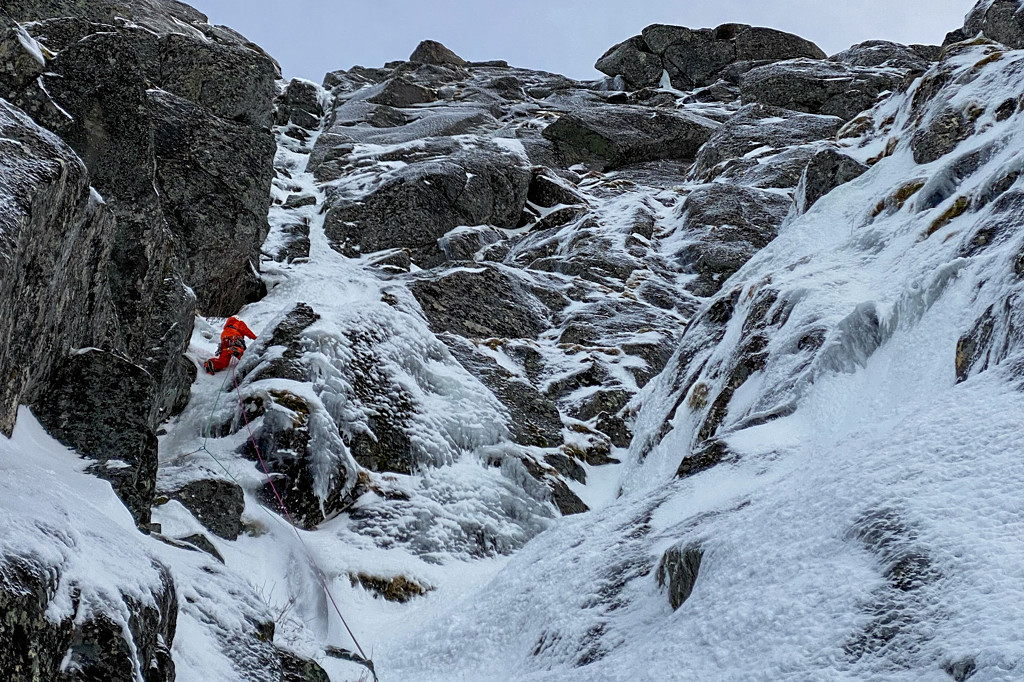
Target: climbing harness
{"x": 335, "y": 652}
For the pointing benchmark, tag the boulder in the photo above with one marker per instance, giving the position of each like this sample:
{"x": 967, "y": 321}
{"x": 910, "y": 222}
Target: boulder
{"x": 99, "y": 404}
{"x": 422, "y": 202}
{"x": 433, "y": 52}
{"x": 678, "y": 572}
{"x": 231, "y": 81}
{"x": 296, "y": 201}
{"x": 567, "y": 502}
{"x": 401, "y": 92}
{"x": 883, "y": 53}
{"x": 214, "y": 179}
{"x": 818, "y": 87}
{"x": 216, "y": 503}
{"x": 698, "y": 57}
{"x": 999, "y": 20}
{"x": 296, "y": 437}
{"x": 729, "y": 223}
{"x": 756, "y": 126}
{"x": 828, "y": 169}
{"x": 548, "y": 191}
{"x": 615, "y": 136}
{"x": 300, "y": 104}
{"x": 485, "y": 302}
{"x": 591, "y": 259}
{"x": 632, "y": 61}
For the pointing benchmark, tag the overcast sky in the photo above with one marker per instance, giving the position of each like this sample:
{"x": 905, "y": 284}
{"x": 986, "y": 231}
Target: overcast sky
{"x": 312, "y": 37}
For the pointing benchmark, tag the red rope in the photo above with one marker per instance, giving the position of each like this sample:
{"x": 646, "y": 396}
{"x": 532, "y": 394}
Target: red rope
{"x": 288, "y": 515}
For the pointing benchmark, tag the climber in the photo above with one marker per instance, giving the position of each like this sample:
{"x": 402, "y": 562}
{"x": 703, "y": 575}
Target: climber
{"x": 232, "y": 345}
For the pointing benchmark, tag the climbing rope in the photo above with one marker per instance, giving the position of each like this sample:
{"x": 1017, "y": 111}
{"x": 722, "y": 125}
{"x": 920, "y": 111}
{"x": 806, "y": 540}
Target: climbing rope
{"x": 361, "y": 659}
{"x": 206, "y": 434}
{"x": 280, "y": 500}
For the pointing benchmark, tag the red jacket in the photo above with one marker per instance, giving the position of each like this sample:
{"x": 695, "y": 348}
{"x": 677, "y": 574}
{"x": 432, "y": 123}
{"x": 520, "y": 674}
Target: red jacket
{"x": 233, "y": 328}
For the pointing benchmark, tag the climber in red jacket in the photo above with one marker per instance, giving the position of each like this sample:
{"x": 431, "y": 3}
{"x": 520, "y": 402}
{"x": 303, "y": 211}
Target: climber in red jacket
{"x": 232, "y": 345}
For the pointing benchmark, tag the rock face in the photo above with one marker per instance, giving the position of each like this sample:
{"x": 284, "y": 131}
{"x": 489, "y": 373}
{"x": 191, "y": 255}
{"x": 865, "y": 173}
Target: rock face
{"x": 734, "y": 223}
{"x": 827, "y": 170}
{"x": 698, "y": 57}
{"x": 624, "y": 136}
{"x": 232, "y": 81}
{"x": 51, "y": 302}
{"x": 818, "y": 87}
{"x": 89, "y": 647}
{"x": 169, "y": 116}
{"x": 134, "y": 175}
{"x": 204, "y": 202}
{"x": 999, "y": 20}
{"x": 732, "y": 151}
{"x": 99, "y": 404}
{"x": 480, "y": 304}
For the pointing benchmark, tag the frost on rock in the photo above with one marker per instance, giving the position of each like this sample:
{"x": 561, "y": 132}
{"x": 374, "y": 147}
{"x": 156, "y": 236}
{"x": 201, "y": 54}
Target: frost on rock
{"x": 835, "y": 412}
{"x": 544, "y": 402}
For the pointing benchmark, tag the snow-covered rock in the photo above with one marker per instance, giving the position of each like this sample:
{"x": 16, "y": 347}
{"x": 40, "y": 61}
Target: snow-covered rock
{"x": 739, "y": 406}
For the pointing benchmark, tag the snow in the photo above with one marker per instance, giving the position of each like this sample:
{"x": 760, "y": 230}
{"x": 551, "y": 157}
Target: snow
{"x": 876, "y": 467}
{"x": 31, "y": 45}
{"x": 881, "y": 427}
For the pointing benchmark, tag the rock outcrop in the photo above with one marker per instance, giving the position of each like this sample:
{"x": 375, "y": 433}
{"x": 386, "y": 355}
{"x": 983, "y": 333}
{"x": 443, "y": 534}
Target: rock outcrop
{"x": 167, "y": 118}
{"x": 999, "y": 20}
{"x": 421, "y": 202}
{"x": 99, "y": 404}
{"x": 818, "y": 87}
{"x": 622, "y": 136}
{"x": 699, "y": 57}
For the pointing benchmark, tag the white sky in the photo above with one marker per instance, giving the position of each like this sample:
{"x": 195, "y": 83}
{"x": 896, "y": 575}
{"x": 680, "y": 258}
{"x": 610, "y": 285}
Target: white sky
{"x": 312, "y": 37}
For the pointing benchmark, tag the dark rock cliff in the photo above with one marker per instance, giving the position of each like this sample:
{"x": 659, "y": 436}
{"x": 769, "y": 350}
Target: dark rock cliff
{"x": 170, "y": 117}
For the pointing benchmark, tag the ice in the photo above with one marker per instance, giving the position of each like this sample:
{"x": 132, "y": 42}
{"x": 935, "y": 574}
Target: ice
{"x": 863, "y": 524}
